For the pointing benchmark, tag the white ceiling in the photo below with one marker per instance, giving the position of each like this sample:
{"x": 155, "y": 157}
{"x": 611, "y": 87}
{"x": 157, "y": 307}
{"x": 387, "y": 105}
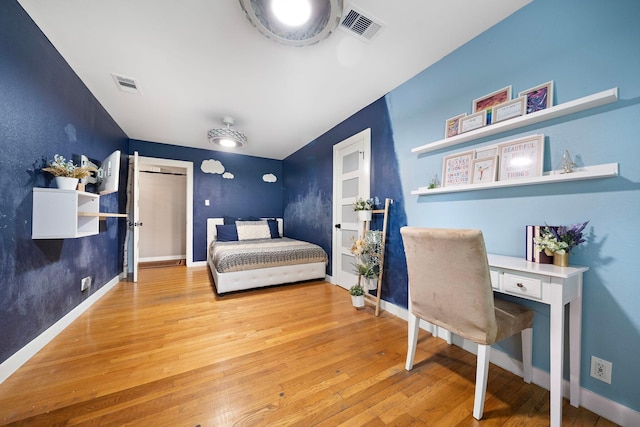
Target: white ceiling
{"x": 198, "y": 60}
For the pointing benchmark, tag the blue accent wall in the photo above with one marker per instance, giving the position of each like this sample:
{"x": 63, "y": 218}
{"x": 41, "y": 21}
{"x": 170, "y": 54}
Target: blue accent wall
{"x": 45, "y": 109}
{"x": 241, "y": 192}
{"x": 309, "y": 191}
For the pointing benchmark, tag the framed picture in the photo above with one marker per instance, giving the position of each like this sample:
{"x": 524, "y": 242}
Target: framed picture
{"x": 521, "y": 158}
{"x": 508, "y": 110}
{"x": 474, "y": 121}
{"x": 494, "y": 98}
{"x": 456, "y": 169}
{"x": 452, "y": 127}
{"x": 484, "y": 170}
{"x": 539, "y": 97}
{"x": 484, "y": 153}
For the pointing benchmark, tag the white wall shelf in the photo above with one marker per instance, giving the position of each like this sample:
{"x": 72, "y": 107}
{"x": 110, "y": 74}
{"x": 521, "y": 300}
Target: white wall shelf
{"x": 581, "y": 104}
{"x": 63, "y": 214}
{"x": 56, "y": 213}
{"x": 589, "y": 172}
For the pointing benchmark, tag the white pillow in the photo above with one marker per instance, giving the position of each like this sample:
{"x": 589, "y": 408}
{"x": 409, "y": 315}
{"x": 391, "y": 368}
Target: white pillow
{"x": 252, "y": 230}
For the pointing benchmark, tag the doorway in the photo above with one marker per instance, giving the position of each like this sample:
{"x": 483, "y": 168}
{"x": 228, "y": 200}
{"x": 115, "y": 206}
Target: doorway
{"x": 156, "y": 171}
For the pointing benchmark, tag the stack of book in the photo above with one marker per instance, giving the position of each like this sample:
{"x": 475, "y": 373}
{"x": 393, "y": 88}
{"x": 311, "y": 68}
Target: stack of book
{"x": 532, "y": 253}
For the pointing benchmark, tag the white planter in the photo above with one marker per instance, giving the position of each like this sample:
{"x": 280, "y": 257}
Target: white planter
{"x": 357, "y": 301}
{"x": 364, "y": 216}
{"x": 371, "y": 284}
{"x": 65, "y": 182}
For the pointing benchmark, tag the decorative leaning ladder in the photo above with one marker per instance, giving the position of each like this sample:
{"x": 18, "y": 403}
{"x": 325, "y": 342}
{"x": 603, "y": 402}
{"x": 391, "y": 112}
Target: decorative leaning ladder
{"x": 379, "y": 254}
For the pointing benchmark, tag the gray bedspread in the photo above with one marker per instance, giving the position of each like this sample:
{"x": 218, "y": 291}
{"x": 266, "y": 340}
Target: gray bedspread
{"x": 262, "y": 253}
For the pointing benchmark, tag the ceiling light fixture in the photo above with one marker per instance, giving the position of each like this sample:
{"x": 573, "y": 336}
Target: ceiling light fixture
{"x": 265, "y": 15}
{"x": 227, "y": 137}
{"x": 291, "y": 12}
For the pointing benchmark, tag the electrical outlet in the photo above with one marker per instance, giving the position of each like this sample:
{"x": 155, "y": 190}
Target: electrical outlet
{"x": 601, "y": 369}
{"x": 85, "y": 284}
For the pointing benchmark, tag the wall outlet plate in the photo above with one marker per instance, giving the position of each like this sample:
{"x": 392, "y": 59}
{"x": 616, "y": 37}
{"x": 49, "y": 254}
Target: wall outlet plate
{"x": 85, "y": 284}
{"x": 601, "y": 369}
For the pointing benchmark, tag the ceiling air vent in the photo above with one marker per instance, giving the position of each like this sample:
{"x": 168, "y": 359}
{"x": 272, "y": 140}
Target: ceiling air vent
{"x": 126, "y": 84}
{"x": 362, "y": 25}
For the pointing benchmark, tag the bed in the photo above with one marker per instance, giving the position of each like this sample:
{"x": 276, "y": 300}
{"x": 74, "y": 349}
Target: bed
{"x": 256, "y": 260}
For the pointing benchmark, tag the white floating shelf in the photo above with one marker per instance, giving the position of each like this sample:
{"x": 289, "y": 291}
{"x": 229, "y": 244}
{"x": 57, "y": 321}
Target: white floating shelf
{"x": 581, "y": 104}
{"x": 588, "y": 172}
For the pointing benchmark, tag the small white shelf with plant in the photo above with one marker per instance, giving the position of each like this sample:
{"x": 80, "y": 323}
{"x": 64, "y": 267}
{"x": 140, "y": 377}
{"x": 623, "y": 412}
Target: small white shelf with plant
{"x": 61, "y": 214}
{"x": 588, "y": 172}
{"x": 577, "y": 105}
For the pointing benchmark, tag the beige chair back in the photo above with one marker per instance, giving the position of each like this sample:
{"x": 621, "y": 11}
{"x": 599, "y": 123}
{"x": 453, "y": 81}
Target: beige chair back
{"x": 449, "y": 282}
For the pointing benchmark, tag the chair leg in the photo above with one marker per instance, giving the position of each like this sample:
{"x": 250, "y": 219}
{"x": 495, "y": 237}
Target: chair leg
{"x": 412, "y": 324}
{"x": 482, "y": 372}
{"x": 527, "y": 348}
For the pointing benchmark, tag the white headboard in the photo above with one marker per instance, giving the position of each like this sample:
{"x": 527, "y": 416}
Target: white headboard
{"x": 212, "y": 232}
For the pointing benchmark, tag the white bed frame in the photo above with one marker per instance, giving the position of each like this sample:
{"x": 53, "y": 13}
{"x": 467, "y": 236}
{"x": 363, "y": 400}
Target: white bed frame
{"x": 261, "y": 277}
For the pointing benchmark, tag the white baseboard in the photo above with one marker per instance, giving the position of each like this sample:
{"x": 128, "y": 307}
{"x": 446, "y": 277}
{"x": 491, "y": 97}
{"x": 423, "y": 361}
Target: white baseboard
{"x": 197, "y": 264}
{"x": 13, "y": 363}
{"x": 162, "y": 258}
{"x": 612, "y": 411}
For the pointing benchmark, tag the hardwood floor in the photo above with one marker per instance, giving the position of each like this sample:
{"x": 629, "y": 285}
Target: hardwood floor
{"x": 169, "y": 352}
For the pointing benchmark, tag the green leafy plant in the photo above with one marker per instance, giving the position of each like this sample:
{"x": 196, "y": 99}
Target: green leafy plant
{"x": 367, "y": 271}
{"x": 356, "y": 290}
{"x": 365, "y": 204}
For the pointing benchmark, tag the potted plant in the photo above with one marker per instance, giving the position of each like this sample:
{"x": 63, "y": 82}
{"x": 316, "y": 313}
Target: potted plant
{"x": 368, "y": 273}
{"x": 559, "y": 241}
{"x": 65, "y": 173}
{"x": 357, "y": 296}
{"x": 367, "y": 252}
{"x": 364, "y": 207}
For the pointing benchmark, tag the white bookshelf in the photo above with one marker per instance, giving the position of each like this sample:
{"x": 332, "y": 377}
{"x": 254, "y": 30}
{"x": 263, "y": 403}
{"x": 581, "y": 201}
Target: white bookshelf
{"x": 581, "y": 104}
{"x": 589, "y": 172}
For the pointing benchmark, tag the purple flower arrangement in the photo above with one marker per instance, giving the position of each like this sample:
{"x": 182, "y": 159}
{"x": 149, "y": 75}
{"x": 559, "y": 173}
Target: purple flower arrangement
{"x": 572, "y": 236}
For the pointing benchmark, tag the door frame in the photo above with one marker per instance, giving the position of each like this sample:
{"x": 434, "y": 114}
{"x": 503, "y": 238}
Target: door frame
{"x": 365, "y": 137}
{"x": 188, "y": 166}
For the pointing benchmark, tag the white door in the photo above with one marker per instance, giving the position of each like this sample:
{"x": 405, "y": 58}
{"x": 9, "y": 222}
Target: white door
{"x": 136, "y": 215}
{"x": 351, "y": 174}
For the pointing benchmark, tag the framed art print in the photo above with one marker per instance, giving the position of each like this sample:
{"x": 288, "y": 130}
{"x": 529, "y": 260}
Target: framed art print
{"x": 484, "y": 153}
{"x": 484, "y": 170}
{"x": 494, "y": 98}
{"x": 456, "y": 169}
{"x": 521, "y": 158}
{"x": 474, "y": 121}
{"x": 452, "y": 126}
{"x": 539, "y": 97}
{"x": 509, "y": 109}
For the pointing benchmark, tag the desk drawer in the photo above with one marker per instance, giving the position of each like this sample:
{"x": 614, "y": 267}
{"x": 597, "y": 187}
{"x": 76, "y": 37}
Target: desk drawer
{"x": 520, "y": 285}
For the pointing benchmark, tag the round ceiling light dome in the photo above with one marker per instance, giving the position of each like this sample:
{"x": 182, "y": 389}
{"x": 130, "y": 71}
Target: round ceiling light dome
{"x": 284, "y": 20}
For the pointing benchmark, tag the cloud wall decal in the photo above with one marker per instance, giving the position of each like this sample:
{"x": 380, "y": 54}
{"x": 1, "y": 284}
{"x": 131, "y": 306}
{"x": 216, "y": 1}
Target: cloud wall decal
{"x": 212, "y": 166}
{"x": 228, "y": 175}
{"x": 269, "y": 177}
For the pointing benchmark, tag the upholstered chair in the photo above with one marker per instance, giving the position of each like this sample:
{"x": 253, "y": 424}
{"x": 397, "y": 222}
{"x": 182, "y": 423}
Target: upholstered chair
{"x": 450, "y": 287}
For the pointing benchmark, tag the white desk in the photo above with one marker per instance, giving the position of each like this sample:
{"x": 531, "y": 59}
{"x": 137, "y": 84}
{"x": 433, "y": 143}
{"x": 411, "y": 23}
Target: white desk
{"x": 556, "y": 287}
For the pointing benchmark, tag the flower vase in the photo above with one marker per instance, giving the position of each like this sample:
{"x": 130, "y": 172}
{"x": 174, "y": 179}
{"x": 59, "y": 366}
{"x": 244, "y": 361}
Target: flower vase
{"x": 357, "y": 301}
{"x": 364, "y": 216}
{"x": 65, "y": 182}
{"x": 561, "y": 260}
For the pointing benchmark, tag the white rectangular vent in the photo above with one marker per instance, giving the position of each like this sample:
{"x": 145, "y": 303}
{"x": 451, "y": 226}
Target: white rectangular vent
{"x": 356, "y": 22}
{"x": 126, "y": 84}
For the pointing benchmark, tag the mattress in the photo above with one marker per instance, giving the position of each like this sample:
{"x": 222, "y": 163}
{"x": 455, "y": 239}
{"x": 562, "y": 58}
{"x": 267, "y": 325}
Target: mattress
{"x": 245, "y": 255}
